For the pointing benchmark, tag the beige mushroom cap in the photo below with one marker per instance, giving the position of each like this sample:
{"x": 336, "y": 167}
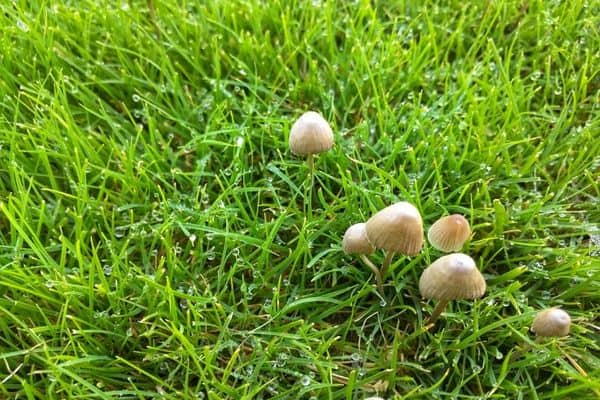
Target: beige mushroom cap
{"x": 355, "y": 240}
{"x": 451, "y": 277}
{"x": 397, "y": 228}
{"x": 449, "y": 233}
{"x": 551, "y": 322}
{"x": 310, "y": 134}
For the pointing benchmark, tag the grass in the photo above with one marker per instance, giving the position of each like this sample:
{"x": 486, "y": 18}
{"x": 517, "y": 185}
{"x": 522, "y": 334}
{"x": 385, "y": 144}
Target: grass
{"x": 155, "y": 237}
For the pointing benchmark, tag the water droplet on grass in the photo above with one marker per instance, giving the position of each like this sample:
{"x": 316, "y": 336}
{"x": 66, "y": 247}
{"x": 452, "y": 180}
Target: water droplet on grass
{"x": 546, "y": 295}
{"x": 305, "y": 380}
{"x": 136, "y": 98}
{"x": 22, "y": 26}
{"x": 499, "y": 355}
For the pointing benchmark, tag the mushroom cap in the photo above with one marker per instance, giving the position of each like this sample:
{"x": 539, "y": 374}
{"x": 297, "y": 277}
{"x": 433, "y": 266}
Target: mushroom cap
{"x": 310, "y": 134}
{"x": 355, "y": 240}
{"x": 397, "y": 228}
{"x": 451, "y": 277}
{"x": 449, "y": 233}
{"x": 551, "y": 322}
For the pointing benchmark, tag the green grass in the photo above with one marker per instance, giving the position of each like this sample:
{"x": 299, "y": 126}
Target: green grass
{"x": 155, "y": 236}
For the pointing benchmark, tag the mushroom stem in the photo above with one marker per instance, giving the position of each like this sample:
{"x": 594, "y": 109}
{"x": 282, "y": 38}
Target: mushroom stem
{"x": 386, "y": 262}
{"x": 437, "y": 311}
{"x": 311, "y": 171}
{"x": 310, "y": 161}
{"x": 376, "y": 271}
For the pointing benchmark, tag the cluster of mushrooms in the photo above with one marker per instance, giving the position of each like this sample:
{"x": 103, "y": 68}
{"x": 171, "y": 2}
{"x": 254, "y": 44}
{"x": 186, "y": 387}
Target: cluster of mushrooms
{"x": 399, "y": 229}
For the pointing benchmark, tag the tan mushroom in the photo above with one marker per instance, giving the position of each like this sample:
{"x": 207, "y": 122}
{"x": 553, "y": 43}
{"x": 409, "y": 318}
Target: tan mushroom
{"x": 355, "y": 241}
{"x": 551, "y": 322}
{"x": 451, "y": 277}
{"x": 310, "y": 134}
{"x": 449, "y": 233}
{"x": 396, "y": 229}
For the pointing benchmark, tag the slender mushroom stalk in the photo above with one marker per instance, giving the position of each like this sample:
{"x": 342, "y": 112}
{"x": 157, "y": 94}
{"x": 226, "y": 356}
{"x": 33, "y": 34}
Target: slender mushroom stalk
{"x": 310, "y": 134}
{"x": 449, "y": 233}
{"x": 451, "y": 277}
{"x": 386, "y": 262}
{"x": 376, "y": 272}
{"x": 396, "y": 229}
{"x": 355, "y": 242}
{"x": 437, "y": 311}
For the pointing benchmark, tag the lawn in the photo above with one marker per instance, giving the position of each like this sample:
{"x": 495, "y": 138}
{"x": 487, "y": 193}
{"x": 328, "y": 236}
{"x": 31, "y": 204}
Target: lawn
{"x": 158, "y": 238}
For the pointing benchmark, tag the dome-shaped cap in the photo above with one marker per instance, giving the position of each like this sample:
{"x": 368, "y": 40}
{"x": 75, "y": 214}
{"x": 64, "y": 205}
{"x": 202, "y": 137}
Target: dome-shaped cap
{"x": 310, "y": 134}
{"x": 449, "y": 233}
{"x": 355, "y": 240}
{"x": 452, "y": 277}
{"x": 397, "y": 228}
{"x": 551, "y": 322}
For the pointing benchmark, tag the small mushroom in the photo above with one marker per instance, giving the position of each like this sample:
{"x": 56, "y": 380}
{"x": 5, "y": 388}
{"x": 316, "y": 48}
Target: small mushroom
{"x": 397, "y": 229}
{"x": 355, "y": 242}
{"x": 551, "y": 322}
{"x": 451, "y": 277}
{"x": 310, "y": 134}
{"x": 449, "y": 233}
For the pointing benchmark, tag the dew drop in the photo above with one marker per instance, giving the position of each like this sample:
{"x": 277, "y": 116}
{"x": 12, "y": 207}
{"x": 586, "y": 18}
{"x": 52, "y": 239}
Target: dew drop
{"x": 22, "y": 26}
{"x": 305, "y": 380}
{"x": 135, "y": 98}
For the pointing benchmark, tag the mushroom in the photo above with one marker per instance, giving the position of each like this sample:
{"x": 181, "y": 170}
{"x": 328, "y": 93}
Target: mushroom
{"x": 397, "y": 229}
{"x": 310, "y": 134}
{"x": 451, "y": 277}
{"x": 551, "y": 322}
{"x": 449, "y": 233}
{"x": 355, "y": 242}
